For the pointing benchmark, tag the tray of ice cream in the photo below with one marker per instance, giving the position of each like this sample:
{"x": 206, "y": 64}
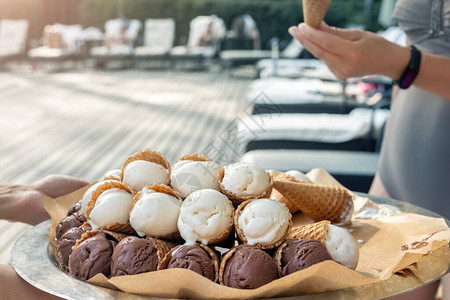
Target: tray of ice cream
{"x": 196, "y": 229}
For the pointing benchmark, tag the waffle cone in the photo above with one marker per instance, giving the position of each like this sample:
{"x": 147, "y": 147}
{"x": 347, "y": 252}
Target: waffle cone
{"x": 224, "y": 237}
{"x": 165, "y": 189}
{"x": 291, "y": 205}
{"x": 237, "y": 199}
{"x": 58, "y": 259}
{"x": 242, "y": 238}
{"x": 125, "y": 228}
{"x": 112, "y": 177}
{"x": 159, "y": 188}
{"x": 314, "y": 11}
{"x": 147, "y": 155}
{"x": 85, "y": 224}
{"x": 223, "y": 263}
{"x": 315, "y": 231}
{"x": 162, "y": 248}
{"x": 194, "y": 157}
{"x": 277, "y": 256}
{"x": 115, "y": 235}
{"x": 165, "y": 262}
{"x": 319, "y": 202}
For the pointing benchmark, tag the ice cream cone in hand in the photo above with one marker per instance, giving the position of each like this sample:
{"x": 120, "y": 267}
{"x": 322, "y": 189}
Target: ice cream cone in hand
{"x": 314, "y": 11}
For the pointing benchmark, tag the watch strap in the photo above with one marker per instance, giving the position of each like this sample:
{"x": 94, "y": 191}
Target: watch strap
{"x": 411, "y": 70}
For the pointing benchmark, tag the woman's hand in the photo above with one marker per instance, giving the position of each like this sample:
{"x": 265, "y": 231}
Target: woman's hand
{"x": 352, "y": 53}
{"x": 24, "y": 203}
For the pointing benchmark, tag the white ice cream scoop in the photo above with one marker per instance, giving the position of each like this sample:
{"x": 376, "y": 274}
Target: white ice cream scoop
{"x": 155, "y": 214}
{"x": 299, "y": 176}
{"x": 188, "y": 176}
{"x": 111, "y": 207}
{"x": 246, "y": 179}
{"x": 206, "y": 216}
{"x": 264, "y": 222}
{"x": 342, "y": 246}
{"x": 140, "y": 173}
{"x": 88, "y": 194}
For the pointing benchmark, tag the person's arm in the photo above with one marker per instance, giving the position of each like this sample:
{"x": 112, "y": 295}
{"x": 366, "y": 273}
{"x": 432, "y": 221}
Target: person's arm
{"x": 354, "y": 53}
{"x": 23, "y": 203}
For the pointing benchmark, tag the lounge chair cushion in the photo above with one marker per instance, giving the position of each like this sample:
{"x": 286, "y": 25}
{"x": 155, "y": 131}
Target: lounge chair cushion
{"x": 119, "y": 50}
{"x": 297, "y": 64}
{"x": 298, "y": 91}
{"x": 325, "y": 128}
{"x": 283, "y": 91}
{"x": 245, "y": 54}
{"x": 159, "y": 35}
{"x": 46, "y": 52}
{"x": 112, "y": 29}
{"x": 150, "y": 51}
{"x": 207, "y": 52}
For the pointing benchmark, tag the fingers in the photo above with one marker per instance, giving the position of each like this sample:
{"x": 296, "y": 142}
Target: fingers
{"x": 58, "y": 185}
{"x": 319, "y": 51}
{"x": 331, "y": 60}
{"x": 348, "y": 34}
{"x": 30, "y": 207}
{"x": 331, "y": 42}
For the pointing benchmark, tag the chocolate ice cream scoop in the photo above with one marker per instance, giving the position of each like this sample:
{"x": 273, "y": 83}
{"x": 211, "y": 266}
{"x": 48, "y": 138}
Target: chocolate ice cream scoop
{"x": 301, "y": 254}
{"x": 247, "y": 267}
{"x": 134, "y": 255}
{"x": 194, "y": 258}
{"x": 68, "y": 240}
{"x": 75, "y": 220}
{"x": 91, "y": 257}
{"x": 74, "y": 208}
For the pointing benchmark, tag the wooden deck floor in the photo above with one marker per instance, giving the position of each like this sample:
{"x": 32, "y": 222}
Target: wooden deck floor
{"x": 85, "y": 123}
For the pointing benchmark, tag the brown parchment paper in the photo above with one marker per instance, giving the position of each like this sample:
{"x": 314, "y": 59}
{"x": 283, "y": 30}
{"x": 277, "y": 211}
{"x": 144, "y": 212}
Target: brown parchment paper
{"x": 384, "y": 269}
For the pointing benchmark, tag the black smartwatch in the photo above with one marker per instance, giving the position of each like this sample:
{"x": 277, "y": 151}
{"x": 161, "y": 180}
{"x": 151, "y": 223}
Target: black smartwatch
{"x": 412, "y": 69}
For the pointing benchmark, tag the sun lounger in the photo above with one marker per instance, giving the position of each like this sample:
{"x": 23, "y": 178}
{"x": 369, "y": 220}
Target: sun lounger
{"x": 286, "y": 68}
{"x": 13, "y": 37}
{"x": 159, "y": 35}
{"x": 303, "y": 96}
{"x": 91, "y": 37}
{"x": 243, "y": 34}
{"x": 294, "y": 68}
{"x": 120, "y": 36}
{"x": 62, "y": 43}
{"x": 205, "y": 35}
{"x": 360, "y": 130}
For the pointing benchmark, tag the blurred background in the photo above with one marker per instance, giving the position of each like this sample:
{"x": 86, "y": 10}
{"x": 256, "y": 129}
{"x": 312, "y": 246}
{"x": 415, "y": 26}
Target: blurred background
{"x": 272, "y": 17}
{"x": 86, "y": 83}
